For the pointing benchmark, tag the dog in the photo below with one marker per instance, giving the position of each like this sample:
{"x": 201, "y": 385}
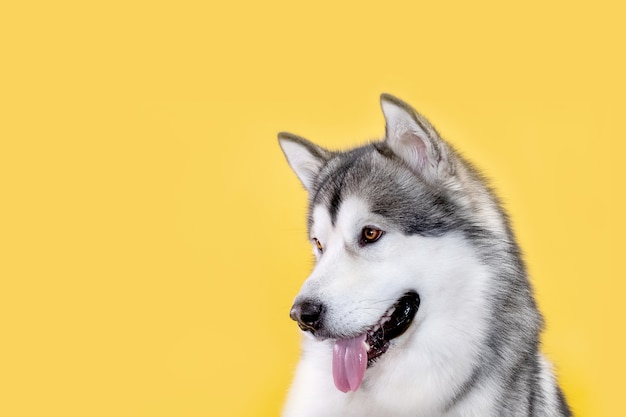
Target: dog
{"x": 419, "y": 303}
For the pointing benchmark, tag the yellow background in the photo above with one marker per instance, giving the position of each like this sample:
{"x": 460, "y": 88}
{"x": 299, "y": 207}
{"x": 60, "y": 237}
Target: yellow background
{"x": 152, "y": 237}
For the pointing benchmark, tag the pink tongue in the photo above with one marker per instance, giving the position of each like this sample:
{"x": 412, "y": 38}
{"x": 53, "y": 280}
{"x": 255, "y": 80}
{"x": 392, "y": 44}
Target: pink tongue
{"x": 349, "y": 363}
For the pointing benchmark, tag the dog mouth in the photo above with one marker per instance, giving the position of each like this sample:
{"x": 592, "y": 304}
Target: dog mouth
{"x": 392, "y": 324}
{"x": 352, "y": 356}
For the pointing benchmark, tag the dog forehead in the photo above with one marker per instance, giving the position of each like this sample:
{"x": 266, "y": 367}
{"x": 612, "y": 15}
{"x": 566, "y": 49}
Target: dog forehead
{"x": 360, "y": 171}
{"x": 386, "y": 188}
{"x": 352, "y": 211}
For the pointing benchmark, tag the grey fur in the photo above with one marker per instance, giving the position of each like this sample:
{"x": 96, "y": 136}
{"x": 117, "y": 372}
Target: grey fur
{"x": 451, "y": 197}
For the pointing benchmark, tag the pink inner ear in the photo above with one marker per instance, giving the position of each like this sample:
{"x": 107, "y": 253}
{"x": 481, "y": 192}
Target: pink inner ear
{"x": 408, "y": 136}
{"x": 416, "y": 151}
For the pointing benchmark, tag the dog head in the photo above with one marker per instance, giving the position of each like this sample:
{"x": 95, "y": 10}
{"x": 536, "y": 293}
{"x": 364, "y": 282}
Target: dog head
{"x": 395, "y": 227}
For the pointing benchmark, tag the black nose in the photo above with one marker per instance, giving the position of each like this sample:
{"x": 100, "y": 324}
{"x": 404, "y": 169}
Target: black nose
{"x": 308, "y": 314}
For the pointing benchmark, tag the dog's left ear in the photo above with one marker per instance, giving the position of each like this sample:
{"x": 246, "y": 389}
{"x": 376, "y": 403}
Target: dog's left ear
{"x": 415, "y": 140}
{"x": 305, "y": 158}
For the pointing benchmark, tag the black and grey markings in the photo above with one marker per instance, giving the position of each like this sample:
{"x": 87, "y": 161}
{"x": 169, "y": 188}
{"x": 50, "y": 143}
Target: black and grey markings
{"x": 374, "y": 173}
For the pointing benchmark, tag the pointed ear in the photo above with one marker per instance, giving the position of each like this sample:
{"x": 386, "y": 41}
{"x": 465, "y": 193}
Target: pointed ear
{"x": 304, "y": 157}
{"x": 414, "y": 139}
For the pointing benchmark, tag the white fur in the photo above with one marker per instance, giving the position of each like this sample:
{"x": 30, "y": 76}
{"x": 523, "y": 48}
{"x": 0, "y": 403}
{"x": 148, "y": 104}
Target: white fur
{"x": 548, "y": 383}
{"x": 423, "y": 368}
{"x": 302, "y": 161}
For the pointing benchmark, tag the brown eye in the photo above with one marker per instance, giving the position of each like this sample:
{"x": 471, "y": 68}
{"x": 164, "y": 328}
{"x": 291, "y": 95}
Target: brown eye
{"x": 370, "y": 234}
{"x": 318, "y": 245}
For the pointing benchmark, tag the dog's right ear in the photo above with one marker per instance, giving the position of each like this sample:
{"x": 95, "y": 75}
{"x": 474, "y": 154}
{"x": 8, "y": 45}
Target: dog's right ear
{"x": 305, "y": 158}
{"x": 415, "y": 140}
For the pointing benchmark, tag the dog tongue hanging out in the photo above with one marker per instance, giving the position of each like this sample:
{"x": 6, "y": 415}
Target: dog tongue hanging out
{"x": 419, "y": 303}
{"x": 349, "y": 363}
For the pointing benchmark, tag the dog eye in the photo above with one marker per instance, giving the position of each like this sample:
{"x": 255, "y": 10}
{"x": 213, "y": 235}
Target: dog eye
{"x": 318, "y": 245}
{"x": 370, "y": 234}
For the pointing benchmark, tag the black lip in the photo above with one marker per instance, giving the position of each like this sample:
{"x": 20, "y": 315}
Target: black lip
{"x": 399, "y": 321}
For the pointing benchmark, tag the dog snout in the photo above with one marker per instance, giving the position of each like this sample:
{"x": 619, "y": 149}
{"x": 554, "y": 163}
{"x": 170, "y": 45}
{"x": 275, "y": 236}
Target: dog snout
{"x": 308, "y": 314}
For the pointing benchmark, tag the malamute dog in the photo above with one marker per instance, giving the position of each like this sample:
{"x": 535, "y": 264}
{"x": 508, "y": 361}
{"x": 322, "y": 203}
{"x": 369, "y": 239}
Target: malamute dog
{"x": 419, "y": 303}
